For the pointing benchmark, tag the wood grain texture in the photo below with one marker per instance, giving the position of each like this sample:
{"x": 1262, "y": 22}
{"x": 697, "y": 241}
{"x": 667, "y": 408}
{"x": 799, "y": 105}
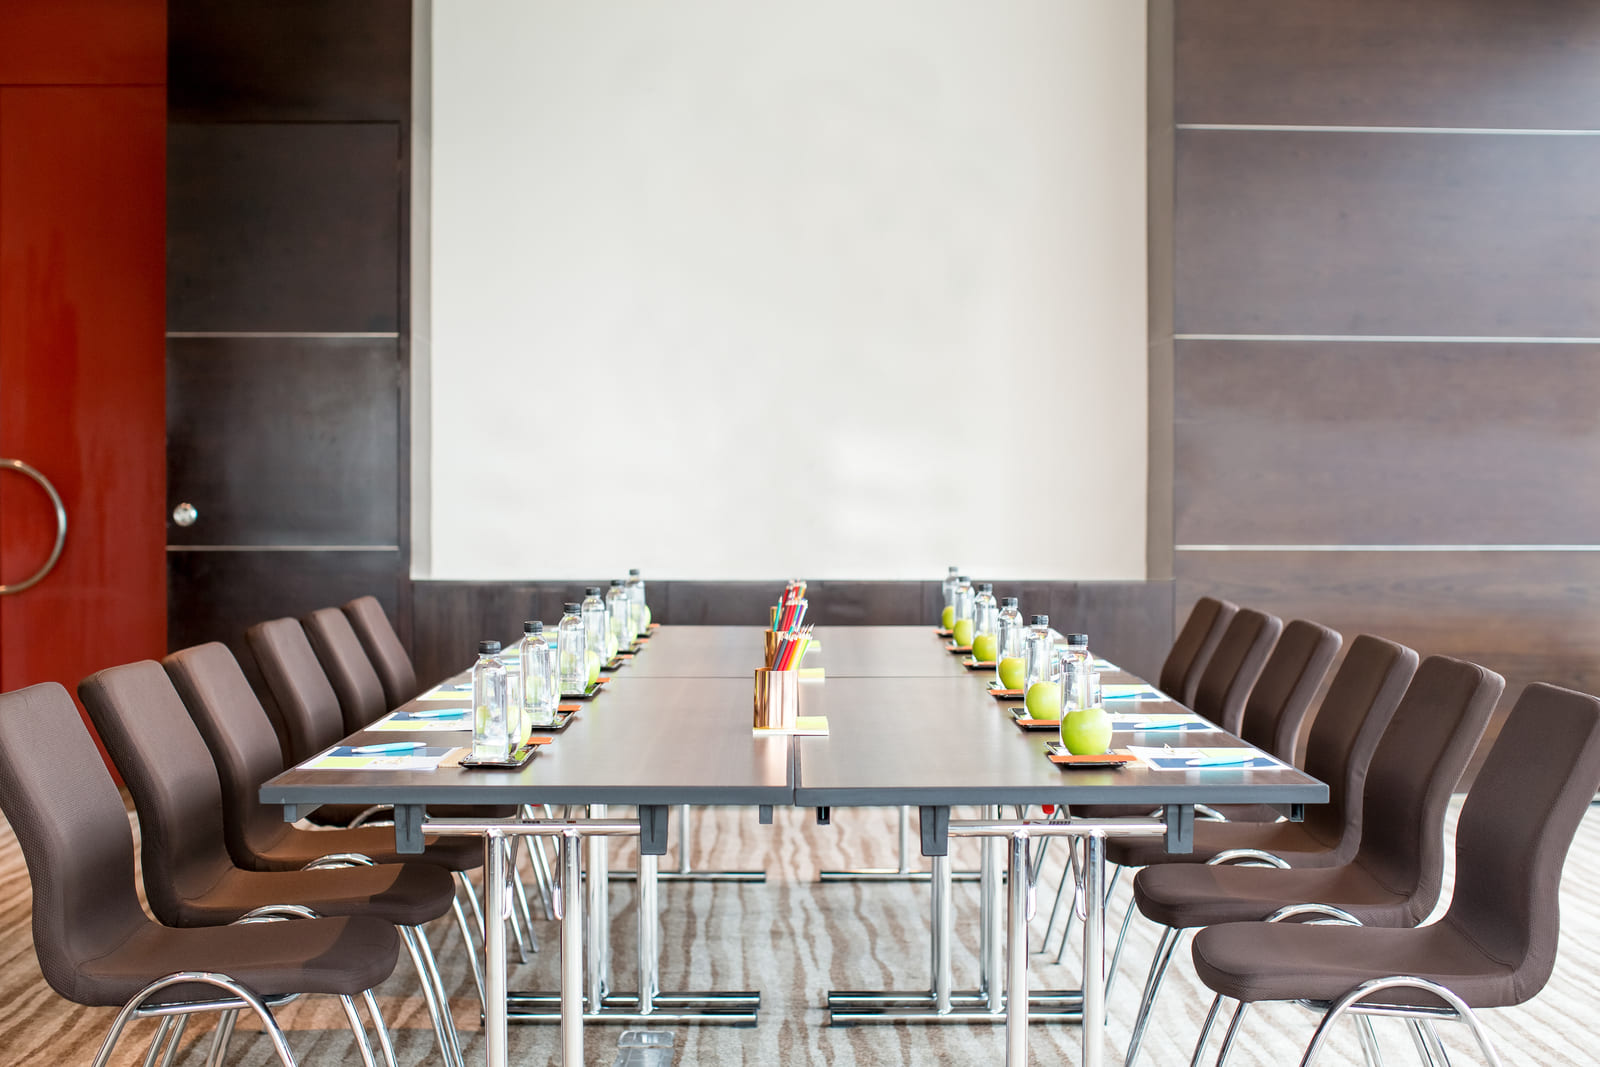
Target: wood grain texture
{"x": 1336, "y": 443}
{"x": 284, "y": 227}
{"x": 1377, "y": 234}
{"x": 291, "y": 60}
{"x": 1474, "y": 63}
{"x": 284, "y": 441}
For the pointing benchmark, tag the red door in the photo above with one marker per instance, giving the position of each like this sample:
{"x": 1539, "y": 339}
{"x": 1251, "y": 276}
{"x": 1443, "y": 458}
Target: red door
{"x": 82, "y": 376}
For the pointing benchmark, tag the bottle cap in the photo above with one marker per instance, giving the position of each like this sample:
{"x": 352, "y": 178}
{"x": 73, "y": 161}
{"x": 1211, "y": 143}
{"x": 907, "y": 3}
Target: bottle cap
{"x": 488, "y": 648}
{"x": 962, "y": 578}
{"x": 615, "y": 582}
{"x": 593, "y": 590}
{"x": 954, "y": 569}
{"x": 1078, "y": 639}
{"x": 535, "y": 627}
{"x": 1009, "y": 602}
{"x": 1039, "y": 620}
{"x": 572, "y": 609}
{"x": 986, "y": 587}
{"x": 633, "y": 572}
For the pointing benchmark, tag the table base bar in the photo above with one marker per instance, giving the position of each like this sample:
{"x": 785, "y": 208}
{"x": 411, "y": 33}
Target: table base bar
{"x": 848, "y": 1008}
{"x": 694, "y": 876}
{"x": 711, "y": 1007}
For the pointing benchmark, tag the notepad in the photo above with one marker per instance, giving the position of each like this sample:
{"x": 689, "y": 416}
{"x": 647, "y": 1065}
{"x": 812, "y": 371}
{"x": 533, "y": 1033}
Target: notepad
{"x": 1195, "y": 759}
{"x": 405, "y": 720}
{"x": 811, "y": 674}
{"x": 1131, "y": 691}
{"x": 1179, "y": 721}
{"x": 345, "y": 758}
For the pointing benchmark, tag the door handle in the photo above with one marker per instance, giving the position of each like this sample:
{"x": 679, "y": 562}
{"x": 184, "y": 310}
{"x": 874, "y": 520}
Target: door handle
{"x": 61, "y": 525}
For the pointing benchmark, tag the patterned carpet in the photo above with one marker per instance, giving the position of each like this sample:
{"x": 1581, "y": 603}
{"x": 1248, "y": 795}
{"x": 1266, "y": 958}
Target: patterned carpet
{"x": 794, "y": 939}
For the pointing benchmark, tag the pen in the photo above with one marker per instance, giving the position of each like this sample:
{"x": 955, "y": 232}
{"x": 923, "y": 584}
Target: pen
{"x": 439, "y": 713}
{"x": 1159, "y": 725}
{"x": 1220, "y": 761}
{"x": 393, "y": 746}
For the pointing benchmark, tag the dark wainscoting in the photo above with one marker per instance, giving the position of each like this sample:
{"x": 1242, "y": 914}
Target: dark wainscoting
{"x": 1129, "y": 622}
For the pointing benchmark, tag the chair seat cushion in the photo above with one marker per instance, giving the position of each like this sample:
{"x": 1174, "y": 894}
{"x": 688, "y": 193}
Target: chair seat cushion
{"x": 1196, "y": 894}
{"x": 294, "y": 848}
{"x": 406, "y": 894}
{"x": 1292, "y": 961}
{"x": 1291, "y": 841}
{"x": 340, "y": 956}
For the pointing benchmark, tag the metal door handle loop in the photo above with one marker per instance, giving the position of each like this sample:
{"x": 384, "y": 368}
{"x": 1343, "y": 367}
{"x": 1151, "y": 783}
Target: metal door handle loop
{"x": 61, "y": 525}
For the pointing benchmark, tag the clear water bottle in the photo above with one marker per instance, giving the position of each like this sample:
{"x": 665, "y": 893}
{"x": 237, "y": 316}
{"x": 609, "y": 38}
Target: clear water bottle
{"x": 1009, "y": 633}
{"x": 1077, "y": 669}
{"x": 948, "y": 587}
{"x": 490, "y": 731}
{"x": 618, "y": 614}
{"x": 985, "y": 611}
{"x": 572, "y": 650}
{"x": 1038, "y": 652}
{"x": 540, "y": 690}
{"x": 596, "y": 629}
{"x": 638, "y": 615}
{"x": 961, "y": 599}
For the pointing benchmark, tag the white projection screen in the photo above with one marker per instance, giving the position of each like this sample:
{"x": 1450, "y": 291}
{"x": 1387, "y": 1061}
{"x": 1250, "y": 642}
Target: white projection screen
{"x": 746, "y": 289}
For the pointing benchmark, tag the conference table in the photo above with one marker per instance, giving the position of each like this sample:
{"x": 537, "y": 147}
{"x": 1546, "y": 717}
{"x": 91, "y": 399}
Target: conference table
{"x": 655, "y": 736}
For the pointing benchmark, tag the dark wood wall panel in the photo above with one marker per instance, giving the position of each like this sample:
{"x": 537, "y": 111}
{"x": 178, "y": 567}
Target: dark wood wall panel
{"x": 1527, "y": 615}
{"x": 289, "y": 60}
{"x": 216, "y": 596}
{"x": 284, "y": 227}
{"x": 285, "y": 441}
{"x": 1337, "y": 443}
{"x": 1473, "y": 63}
{"x": 1130, "y": 622}
{"x": 1379, "y": 233}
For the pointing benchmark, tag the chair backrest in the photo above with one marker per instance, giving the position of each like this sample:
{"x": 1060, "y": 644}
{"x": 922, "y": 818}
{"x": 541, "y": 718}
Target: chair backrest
{"x": 1345, "y": 733}
{"x": 168, "y": 769}
{"x": 1281, "y": 697}
{"x": 1431, "y": 737}
{"x": 1192, "y": 648}
{"x": 1232, "y": 671}
{"x": 241, "y": 739}
{"x": 74, "y": 834}
{"x": 349, "y": 671}
{"x": 307, "y": 704}
{"x": 1516, "y": 826}
{"x": 382, "y": 646}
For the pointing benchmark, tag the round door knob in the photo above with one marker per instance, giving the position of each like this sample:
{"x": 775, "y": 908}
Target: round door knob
{"x": 185, "y": 514}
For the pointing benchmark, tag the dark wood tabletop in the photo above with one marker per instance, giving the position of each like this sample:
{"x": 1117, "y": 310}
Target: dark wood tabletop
{"x": 908, "y": 725}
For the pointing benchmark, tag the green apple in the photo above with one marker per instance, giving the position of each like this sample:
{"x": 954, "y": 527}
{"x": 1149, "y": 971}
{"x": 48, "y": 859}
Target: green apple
{"x": 984, "y": 647}
{"x": 1086, "y": 732}
{"x": 1044, "y": 700}
{"x": 592, "y": 661}
{"x": 962, "y": 632}
{"x": 645, "y": 625}
{"x": 1013, "y": 672}
{"x": 947, "y": 618}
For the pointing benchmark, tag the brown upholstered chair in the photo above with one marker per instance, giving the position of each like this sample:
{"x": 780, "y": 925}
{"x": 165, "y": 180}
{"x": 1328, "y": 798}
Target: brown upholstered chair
{"x": 1395, "y": 876}
{"x": 307, "y": 704}
{"x": 242, "y": 744}
{"x": 1360, "y": 701}
{"x": 1192, "y": 648}
{"x": 1495, "y": 946}
{"x": 1233, "y": 668}
{"x": 95, "y": 944}
{"x": 382, "y": 646}
{"x": 191, "y": 880}
{"x": 345, "y": 663}
{"x": 1271, "y": 721}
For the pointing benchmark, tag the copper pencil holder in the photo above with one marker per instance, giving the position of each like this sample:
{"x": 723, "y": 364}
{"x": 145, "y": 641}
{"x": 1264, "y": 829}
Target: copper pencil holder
{"x": 777, "y": 699}
{"x": 770, "y": 639}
